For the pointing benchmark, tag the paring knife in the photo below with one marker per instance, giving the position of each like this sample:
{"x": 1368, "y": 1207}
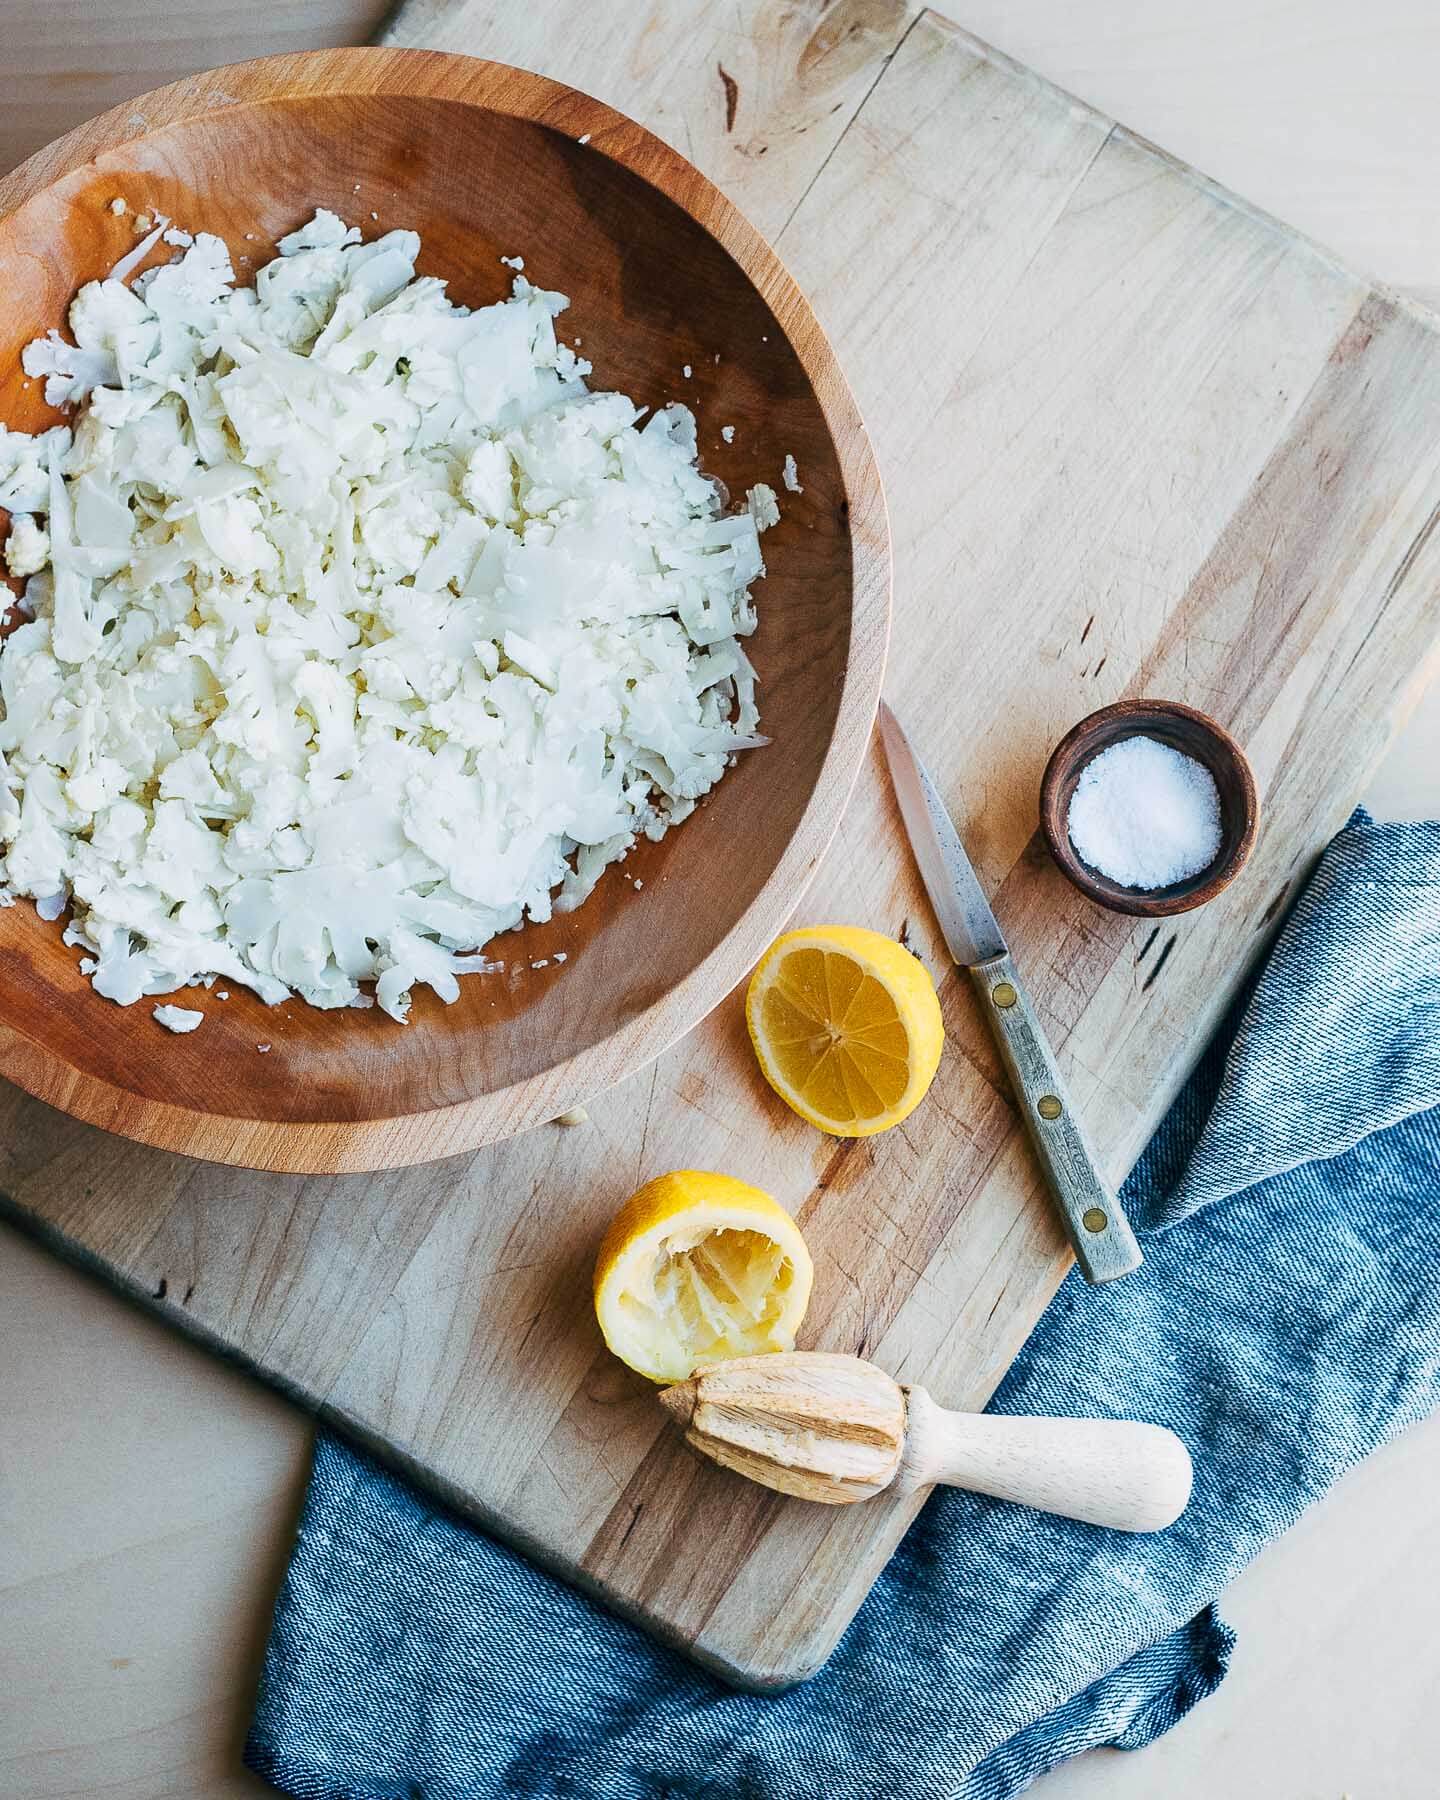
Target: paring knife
{"x": 1094, "y": 1221}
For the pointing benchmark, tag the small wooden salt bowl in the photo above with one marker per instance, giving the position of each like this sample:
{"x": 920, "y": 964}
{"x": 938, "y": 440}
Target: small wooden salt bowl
{"x": 1193, "y": 734}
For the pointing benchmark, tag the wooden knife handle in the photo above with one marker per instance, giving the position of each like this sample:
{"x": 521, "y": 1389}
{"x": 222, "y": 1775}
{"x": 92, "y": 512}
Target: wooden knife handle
{"x": 1104, "y": 1244}
{"x": 1114, "y": 1472}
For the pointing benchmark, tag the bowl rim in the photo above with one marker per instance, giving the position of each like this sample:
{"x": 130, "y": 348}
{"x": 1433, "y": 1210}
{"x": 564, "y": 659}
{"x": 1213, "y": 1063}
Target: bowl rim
{"x": 1156, "y": 903}
{"x": 309, "y": 1147}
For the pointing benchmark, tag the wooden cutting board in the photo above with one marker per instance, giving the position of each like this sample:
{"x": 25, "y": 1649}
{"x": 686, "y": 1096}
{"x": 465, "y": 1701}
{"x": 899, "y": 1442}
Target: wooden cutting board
{"x": 1137, "y": 439}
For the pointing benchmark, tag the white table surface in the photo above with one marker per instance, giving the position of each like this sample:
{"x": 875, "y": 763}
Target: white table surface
{"x": 147, "y": 1492}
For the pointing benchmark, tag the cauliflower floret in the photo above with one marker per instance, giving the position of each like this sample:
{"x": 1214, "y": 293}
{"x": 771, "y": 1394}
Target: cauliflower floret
{"x": 27, "y": 549}
{"x": 488, "y": 483}
{"x": 25, "y": 467}
{"x": 104, "y": 312}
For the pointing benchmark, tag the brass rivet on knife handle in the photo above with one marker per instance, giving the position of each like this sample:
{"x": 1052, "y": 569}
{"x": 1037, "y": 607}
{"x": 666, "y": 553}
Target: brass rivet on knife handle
{"x": 1103, "y": 1242}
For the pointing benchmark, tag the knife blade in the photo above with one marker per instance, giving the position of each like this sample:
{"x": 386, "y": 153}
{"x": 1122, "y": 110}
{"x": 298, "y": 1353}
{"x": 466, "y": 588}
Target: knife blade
{"x": 1093, "y": 1218}
{"x": 970, "y": 929}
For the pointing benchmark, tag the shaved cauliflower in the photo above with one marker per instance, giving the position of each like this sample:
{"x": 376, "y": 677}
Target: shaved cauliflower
{"x": 360, "y": 629}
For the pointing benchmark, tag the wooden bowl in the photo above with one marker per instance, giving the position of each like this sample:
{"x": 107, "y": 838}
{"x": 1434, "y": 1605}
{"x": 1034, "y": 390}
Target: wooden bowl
{"x": 1183, "y": 729}
{"x": 662, "y": 272}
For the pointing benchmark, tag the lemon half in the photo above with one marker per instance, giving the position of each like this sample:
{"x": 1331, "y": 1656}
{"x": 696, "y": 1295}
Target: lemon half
{"x": 696, "y": 1268}
{"x": 846, "y": 1026}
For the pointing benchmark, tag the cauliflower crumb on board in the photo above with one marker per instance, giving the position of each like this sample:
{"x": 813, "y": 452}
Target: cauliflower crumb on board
{"x": 179, "y": 1019}
{"x": 360, "y": 628}
{"x": 791, "y": 475}
{"x": 126, "y": 267}
{"x": 764, "y": 507}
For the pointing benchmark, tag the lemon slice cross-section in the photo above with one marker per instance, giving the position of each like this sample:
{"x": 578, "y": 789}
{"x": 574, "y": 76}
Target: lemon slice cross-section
{"x": 696, "y": 1268}
{"x": 846, "y": 1027}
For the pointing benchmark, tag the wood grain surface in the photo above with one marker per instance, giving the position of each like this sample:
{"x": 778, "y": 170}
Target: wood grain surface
{"x": 664, "y": 277}
{"x": 1136, "y": 439}
{"x": 67, "y": 60}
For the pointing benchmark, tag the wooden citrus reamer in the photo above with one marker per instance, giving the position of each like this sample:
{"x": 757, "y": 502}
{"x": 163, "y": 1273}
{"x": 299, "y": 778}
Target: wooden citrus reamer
{"x": 836, "y": 1428}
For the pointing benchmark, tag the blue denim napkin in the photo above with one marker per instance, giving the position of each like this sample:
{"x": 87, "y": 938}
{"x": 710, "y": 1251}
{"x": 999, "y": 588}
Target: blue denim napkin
{"x": 1286, "y": 1321}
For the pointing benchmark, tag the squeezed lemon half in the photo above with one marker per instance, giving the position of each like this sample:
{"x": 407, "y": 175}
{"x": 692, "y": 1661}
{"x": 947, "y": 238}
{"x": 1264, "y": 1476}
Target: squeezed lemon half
{"x": 846, "y": 1026}
{"x": 698, "y": 1267}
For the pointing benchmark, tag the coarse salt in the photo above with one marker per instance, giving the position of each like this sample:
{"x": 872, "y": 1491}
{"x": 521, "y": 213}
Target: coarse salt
{"x": 1145, "y": 815}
